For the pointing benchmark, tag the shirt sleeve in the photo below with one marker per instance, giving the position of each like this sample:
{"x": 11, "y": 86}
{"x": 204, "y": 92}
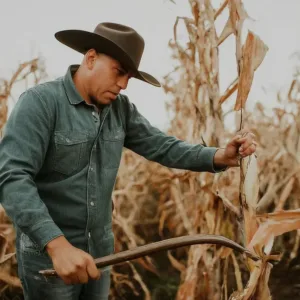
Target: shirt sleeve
{"x": 151, "y": 143}
{"x": 22, "y": 152}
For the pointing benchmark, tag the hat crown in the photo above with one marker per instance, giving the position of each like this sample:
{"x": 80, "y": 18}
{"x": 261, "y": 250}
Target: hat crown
{"x": 124, "y": 37}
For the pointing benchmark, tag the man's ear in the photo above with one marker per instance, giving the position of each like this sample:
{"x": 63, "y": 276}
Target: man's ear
{"x": 90, "y": 58}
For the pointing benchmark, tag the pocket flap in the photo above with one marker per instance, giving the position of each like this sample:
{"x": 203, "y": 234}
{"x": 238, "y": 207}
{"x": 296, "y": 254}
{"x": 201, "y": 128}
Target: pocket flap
{"x": 113, "y": 135}
{"x": 70, "y": 138}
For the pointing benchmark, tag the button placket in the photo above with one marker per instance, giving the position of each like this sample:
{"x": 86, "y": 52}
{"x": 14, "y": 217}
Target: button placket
{"x": 91, "y": 188}
{"x": 95, "y": 116}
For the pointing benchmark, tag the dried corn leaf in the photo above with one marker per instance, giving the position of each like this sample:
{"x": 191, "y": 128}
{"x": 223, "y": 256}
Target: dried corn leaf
{"x": 3, "y": 246}
{"x": 9, "y": 279}
{"x": 237, "y": 273}
{"x": 254, "y": 52}
{"x": 280, "y": 215}
{"x": 178, "y": 199}
{"x": 257, "y": 286}
{"x": 263, "y": 291}
{"x": 270, "y": 193}
{"x": 220, "y": 193}
{"x": 6, "y": 257}
{"x": 188, "y": 288}
{"x": 237, "y": 16}
{"x": 238, "y": 13}
{"x": 285, "y": 194}
{"x": 175, "y": 263}
{"x": 147, "y": 264}
{"x": 220, "y": 10}
{"x": 227, "y": 31}
{"x": 210, "y": 220}
{"x": 268, "y": 247}
{"x": 228, "y": 204}
{"x": 139, "y": 279}
{"x": 230, "y": 90}
{"x": 252, "y": 284}
{"x": 224, "y": 252}
{"x": 275, "y": 224}
{"x": 250, "y": 225}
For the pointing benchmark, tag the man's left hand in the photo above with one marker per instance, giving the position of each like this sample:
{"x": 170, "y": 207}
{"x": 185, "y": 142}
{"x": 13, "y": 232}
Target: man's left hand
{"x": 241, "y": 145}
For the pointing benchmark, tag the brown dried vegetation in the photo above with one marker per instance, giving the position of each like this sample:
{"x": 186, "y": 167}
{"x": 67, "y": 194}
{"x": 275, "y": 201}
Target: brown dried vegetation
{"x": 244, "y": 204}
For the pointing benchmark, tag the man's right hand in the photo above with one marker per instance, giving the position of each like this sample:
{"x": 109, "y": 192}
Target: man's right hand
{"x": 71, "y": 264}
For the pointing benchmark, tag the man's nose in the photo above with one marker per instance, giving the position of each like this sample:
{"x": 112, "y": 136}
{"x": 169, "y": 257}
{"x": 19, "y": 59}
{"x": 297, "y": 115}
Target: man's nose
{"x": 123, "y": 82}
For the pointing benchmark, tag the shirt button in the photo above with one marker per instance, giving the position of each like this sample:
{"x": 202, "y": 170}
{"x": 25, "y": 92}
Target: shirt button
{"x": 93, "y": 113}
{"x": 89, "y": 235}
{"x": 92, "y": 203}
{"x": 67, "y": 140}
{"x": 91, "y": 169}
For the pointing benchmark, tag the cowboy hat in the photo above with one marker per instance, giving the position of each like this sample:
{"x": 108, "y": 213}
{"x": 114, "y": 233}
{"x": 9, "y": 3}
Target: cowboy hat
{"x": 121, "y": 42}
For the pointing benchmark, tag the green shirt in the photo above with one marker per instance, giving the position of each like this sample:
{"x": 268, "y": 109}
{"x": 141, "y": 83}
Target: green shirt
{"x": 59, "y": 160}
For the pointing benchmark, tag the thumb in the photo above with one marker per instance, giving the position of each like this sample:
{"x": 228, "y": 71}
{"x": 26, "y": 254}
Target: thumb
{"x": 92, "y": 270}
{"x": 236, "y": 140}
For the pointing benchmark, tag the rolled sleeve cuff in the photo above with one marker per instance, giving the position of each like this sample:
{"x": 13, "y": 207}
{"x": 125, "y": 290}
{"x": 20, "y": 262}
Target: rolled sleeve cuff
{"x": 206, "y": 160}
{"x": 43, "y": 233}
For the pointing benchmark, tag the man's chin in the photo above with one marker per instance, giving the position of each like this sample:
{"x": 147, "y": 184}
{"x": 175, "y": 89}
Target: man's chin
{"x": 111, "y": 99}
{"x": 103, "y": 101}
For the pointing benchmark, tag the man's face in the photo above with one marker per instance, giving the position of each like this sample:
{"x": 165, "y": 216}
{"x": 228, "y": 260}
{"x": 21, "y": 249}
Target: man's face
{"x": 106, "y": 79}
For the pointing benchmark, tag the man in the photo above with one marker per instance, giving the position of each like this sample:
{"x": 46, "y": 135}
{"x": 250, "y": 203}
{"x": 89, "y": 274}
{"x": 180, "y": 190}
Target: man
{"x": 60, "y": 155}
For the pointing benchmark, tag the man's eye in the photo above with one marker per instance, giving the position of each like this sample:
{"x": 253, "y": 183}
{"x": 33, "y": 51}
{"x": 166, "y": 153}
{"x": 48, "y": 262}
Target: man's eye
{"x": 121, "y": 72}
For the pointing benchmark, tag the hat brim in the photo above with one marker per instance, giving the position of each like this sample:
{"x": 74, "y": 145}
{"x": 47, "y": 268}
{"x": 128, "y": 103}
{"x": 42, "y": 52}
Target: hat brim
{"x": 82, "y": 41}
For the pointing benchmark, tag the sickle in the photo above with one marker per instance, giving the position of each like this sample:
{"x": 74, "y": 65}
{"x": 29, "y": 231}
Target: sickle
{"x": 167, "y": 244}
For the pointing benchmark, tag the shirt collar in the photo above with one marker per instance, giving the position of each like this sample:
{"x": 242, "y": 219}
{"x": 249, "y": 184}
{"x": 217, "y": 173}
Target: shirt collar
{"x": 72, "y": 93}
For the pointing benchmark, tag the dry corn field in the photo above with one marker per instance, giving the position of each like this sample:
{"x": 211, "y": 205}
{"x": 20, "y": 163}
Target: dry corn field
{"x": 255, "y": 205}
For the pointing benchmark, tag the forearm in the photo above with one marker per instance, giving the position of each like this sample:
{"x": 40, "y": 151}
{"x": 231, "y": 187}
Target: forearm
{"x": 153, "y": 144}
{"x": 174, "y": 153}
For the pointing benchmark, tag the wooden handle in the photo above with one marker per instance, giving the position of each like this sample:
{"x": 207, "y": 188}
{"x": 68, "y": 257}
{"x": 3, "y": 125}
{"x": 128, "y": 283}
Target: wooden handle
{"x": 164, "y": 245}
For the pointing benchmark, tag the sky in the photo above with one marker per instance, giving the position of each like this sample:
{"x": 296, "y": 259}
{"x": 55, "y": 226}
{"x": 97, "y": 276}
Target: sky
{"x": 28, "y": 27}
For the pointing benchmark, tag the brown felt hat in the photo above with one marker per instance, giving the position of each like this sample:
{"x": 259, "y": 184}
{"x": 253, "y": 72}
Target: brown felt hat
{"x": 121, "y": 42}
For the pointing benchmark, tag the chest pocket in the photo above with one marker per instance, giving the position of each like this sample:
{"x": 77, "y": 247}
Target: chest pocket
{"x": 112, "y": 141}
{"x": 70, "y": 150}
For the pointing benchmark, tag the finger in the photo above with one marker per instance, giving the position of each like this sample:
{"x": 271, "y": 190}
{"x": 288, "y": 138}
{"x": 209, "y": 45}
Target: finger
{"x": 83, "y": 276}
{"x": 235, "y": 140}
{"x": 246, "y": 142}
{"x": 65, "y": 276}
{"x": 249, "y": 137}
{"x": 66, "y": 280}
{"x": 76, "y": 279}
{"x": 250, "y": 150}
{"x": 73, "y": 279}
{"x": 245, "y": 145}
{"x": 70, "y": 279}
{"x": 92, "y": 270}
